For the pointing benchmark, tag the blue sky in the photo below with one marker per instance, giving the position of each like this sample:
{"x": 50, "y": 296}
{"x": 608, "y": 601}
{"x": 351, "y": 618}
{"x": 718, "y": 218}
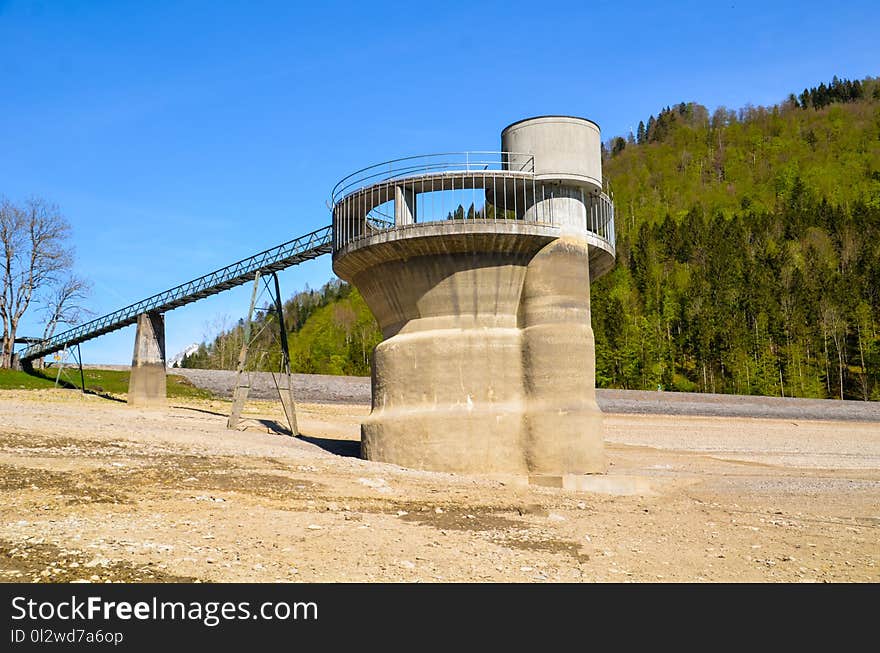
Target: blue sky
{"x": 178, "y": 137}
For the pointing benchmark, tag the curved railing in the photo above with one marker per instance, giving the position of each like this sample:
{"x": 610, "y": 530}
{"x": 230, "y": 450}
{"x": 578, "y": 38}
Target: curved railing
{"x": 423, "y": 164}
{"x": 466, "y": 186}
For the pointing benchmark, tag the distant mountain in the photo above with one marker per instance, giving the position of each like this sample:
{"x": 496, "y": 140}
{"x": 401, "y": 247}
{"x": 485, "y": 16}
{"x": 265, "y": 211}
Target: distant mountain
{"x": 177, "y": 359}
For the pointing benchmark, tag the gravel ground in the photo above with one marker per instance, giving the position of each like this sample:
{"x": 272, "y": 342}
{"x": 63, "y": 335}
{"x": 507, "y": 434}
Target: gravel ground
{"x": 309, "y": 388}
{"x": 317, "y": 388}
{"x": 719, "y": 405}
{"x": 94, "y": 490}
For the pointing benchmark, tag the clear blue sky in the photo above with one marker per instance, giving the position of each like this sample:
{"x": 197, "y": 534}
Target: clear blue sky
{"x": 178, "y": 137}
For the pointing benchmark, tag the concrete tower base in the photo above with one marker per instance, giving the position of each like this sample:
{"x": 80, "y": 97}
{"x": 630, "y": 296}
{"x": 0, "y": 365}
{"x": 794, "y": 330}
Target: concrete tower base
{"x": 487, "y": 366}
{"x": 488, "y": 362}
{"x": 147, "y": 385}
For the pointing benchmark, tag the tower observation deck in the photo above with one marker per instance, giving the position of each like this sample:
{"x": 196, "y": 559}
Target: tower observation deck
{"x": 477, "y": 267}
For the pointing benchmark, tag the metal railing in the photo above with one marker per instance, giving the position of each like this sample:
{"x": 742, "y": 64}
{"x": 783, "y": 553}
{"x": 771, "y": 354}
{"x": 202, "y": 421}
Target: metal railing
{"x": 293, "y": 252}
{"x": 464, "y": 186}
{"x": 424, "y": 164}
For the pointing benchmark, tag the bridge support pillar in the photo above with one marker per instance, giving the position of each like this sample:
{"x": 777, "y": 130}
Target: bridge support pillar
{"x": 147, "y": 386}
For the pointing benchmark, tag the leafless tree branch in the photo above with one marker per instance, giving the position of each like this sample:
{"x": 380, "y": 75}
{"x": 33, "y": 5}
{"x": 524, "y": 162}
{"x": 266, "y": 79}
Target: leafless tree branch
{"x": 36, "y": 256}
{"x": 65, "y": 304}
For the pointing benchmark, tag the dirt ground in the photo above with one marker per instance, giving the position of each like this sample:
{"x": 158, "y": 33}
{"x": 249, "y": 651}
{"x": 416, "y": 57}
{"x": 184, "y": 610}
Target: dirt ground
{"x": 92, "y": 490}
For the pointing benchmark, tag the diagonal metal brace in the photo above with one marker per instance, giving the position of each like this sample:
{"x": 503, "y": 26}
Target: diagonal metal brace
{"x": 239, "y": 396}
{"x": 282, "y": 379}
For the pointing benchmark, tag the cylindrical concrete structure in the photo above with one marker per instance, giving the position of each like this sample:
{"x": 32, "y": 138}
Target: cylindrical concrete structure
{"x": 562, "y": 420}
{"x": 566, "y": 206}
{"x": 488, "y": 362}
{"x": 448, "y": 388}
{"x": 565, "y": 149}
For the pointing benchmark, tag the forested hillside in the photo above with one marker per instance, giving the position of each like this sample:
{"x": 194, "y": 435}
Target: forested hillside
{"x": 331, "y": 331}
{"x": 748, "y": 257}
{"x": 748, "y": 252}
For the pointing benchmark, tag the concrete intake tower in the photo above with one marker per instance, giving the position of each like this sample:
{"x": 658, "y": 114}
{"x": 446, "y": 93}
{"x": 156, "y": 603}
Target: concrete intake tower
{"x": 477, "y": 267}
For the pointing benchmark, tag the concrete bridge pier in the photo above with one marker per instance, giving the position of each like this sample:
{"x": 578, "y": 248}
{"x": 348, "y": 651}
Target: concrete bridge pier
{"x": 147, "y": 385}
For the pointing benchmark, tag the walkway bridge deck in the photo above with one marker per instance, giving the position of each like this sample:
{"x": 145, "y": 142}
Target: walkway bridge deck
{"x": 293, "y": 252}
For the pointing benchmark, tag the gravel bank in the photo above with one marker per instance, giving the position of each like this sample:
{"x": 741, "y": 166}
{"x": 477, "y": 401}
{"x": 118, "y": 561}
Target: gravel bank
{"x": 309, "y": 388}
{"x": 318, "y": 388}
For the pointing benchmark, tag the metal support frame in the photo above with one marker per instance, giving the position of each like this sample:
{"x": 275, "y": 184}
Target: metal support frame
{"x": 239, "y": 395}
{"x": 285, "y": 394}
{"x": 282, "y": 379}
{"x": 78, "y": 358}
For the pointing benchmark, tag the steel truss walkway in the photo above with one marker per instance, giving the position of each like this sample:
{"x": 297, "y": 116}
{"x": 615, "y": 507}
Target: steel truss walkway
{"x": 278, "y": 258}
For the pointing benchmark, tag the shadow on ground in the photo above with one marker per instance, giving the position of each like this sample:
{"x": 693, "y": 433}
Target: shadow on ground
{"x": 347, "y": 448}
{"x": 200, "y": 410}
{"x": 67, "y": 384}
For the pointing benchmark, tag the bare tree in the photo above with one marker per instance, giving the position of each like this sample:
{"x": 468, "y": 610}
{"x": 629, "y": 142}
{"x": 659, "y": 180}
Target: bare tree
{"x": 64, "y": 304}
{"x": 35, "y": 256}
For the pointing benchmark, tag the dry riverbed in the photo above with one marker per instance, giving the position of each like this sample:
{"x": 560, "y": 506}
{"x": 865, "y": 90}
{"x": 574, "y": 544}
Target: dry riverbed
{"x": 93, "y": 490}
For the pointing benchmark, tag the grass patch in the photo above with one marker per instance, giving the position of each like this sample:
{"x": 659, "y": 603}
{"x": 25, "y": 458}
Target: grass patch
{"x": 15, "y": 380}
{"x": 180, "y": 386}
{"x": 112, "y": 382}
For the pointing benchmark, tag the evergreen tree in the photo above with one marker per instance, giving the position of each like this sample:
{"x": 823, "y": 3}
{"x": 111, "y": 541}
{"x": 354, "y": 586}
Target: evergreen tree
{"x": 649, "y": 130}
